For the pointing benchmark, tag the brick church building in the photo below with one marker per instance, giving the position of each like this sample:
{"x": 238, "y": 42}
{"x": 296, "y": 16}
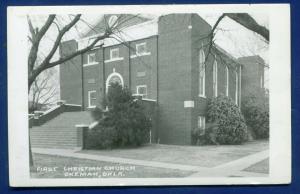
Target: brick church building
{"x": 163, "y": 60}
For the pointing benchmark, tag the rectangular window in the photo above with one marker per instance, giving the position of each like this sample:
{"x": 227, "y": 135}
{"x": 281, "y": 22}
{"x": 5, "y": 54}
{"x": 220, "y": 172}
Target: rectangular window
{"x": 227, "y": 81}
{"x": 141, "y": 90}
{"x": 92, "y": 99}
{"x": 215, "y": 78}
{"x": 201, "y": 124}
{"x": 114, "y": 53}
{"x": 141, "y": 48}
{"x": 91, "y": 58}
{"x": 236, "y": 87}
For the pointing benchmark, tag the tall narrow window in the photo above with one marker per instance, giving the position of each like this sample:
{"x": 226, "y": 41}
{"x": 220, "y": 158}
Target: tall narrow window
{"x": 201, "y": 73}
{"x": 201, "y": 124}
{"x": 92, "y": 99}
{"x": 215, "y": 78}
{"x": 261, "y": 81}
{"x": 227, "y": 81}
{"x": 236, "y": 87}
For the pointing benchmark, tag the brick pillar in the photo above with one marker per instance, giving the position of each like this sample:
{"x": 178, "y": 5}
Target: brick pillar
{"x": 80, "y": 131}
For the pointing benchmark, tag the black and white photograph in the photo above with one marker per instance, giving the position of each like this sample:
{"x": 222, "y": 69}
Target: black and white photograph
{"x": 149, "y": 95}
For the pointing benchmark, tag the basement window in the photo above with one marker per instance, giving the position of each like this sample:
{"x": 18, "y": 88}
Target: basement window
{"x": 201, "y": 124}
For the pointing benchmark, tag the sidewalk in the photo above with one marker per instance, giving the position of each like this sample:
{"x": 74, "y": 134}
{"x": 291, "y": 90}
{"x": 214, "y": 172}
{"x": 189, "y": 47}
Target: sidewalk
{"x": 233, "y": 168}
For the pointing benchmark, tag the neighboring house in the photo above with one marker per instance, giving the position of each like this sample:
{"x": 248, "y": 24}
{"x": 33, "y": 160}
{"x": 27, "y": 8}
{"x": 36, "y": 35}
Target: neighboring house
{"x": 164, "y": 61}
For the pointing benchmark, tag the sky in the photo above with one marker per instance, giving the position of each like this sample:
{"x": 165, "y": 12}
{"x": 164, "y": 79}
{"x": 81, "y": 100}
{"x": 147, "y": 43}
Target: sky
{"x": 236, "y": 39}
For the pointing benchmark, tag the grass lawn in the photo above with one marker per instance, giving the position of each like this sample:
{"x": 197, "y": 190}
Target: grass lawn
{"x": 206, "y": 156}
{"x": 47, "y": 166}
{"x": 260, "y": 167}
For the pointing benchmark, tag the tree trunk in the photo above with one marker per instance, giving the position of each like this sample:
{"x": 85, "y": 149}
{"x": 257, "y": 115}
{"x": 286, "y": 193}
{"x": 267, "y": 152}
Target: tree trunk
{"x": 31, "y": 163}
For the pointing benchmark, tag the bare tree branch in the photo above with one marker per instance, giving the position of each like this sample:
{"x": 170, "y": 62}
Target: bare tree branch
{"x": 36, "y": 36}
{"x": 212, "y": 34}
{"x": 58, "y": 40}
{"x": 46, "y": 64}
{"x": 248, "y": 22}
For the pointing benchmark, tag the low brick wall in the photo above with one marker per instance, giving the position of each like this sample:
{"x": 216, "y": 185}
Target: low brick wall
{"x": 82, "y": 131}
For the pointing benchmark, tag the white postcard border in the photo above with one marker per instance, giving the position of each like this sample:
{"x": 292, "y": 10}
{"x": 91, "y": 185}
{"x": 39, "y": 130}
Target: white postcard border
{"x": 280, "y": 95}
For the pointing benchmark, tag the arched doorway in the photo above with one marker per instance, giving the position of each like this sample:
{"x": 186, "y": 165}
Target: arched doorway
{"x": 114, "y": 78}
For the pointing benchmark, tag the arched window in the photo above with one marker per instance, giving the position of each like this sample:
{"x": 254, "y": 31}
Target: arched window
{"x": 236, "y": 87}
{"x": 201, "y": 73}
{"x": 215, "y": 78}
{"x": 114, "y": 78}
{"x": 227, "y": 80}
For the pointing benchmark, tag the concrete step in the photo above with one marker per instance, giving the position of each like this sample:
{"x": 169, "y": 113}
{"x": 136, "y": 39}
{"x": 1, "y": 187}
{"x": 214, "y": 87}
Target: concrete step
{"x": 53, "y": 146}
{"x": 53, "y": 141}
{"x": 52, "y": 136}
{"x": 57, "y": 133}
{"x": 45, "y": 128}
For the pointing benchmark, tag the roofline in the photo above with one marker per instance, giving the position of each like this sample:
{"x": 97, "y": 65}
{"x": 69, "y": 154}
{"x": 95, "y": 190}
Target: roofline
{"x": 225, "y": 52}
{"x": 98, "y": 47}
{"x": 128, "y": 27}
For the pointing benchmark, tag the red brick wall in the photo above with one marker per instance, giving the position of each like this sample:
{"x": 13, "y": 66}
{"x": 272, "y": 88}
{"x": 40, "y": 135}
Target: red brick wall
{"x": 93, "y": 77}
{"x": 174, "y": 81}
{"x": 252, "y": 70}
{"x": 127, "y": 67}
{"x": 147, "y": 64}
{"x": 70, "y": 75}
{"x": 200, "y": 31}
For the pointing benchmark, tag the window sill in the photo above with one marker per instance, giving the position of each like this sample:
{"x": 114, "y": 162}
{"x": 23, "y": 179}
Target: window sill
{"x": 142, "y": 96}
{"x": 140, "y": 55}
{"x": 201, "y": 96}
{"x": 91, "y": 107}
{"x": 90, "y": 64}
{"x": 114, "y": 59}
{"x": 138, "y": 94}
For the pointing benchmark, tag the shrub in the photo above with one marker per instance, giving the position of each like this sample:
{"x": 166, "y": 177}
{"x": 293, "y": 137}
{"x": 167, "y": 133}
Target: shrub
{"x": 100, "y": 137}
{"x": 124, "y": 124}
{"x": 227, "y": 123}
{"x": 256, "y": 112}
{"x": 209, "y": 137}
